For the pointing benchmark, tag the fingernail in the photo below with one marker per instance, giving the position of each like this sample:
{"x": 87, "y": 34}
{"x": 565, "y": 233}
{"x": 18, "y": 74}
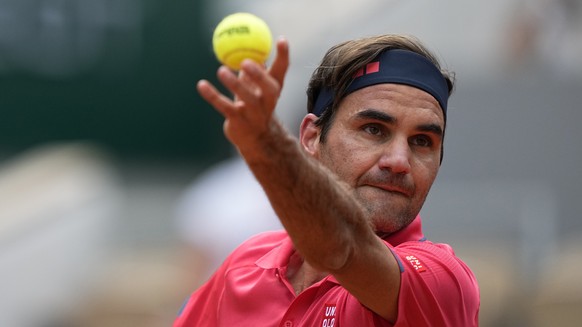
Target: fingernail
{"x": 249, "y": 66}
{"x": 224, "y": 72}
{"x": 223, "y": 69}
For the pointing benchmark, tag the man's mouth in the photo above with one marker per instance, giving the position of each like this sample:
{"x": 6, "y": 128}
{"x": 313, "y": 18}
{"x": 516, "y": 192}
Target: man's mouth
{"x": 392, "y": 189}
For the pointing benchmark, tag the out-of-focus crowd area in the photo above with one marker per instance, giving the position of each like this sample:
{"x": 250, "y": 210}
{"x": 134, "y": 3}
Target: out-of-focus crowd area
{"x": 119, "y": 195}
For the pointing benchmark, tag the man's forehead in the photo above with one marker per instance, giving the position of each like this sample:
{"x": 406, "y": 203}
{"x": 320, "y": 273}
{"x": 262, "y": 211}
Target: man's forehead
{"x": 392, "y": 94}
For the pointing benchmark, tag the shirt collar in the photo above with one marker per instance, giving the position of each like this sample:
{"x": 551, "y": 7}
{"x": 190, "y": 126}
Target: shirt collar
{"x": 279, "y": 256}
{"x": 412, "y": 232}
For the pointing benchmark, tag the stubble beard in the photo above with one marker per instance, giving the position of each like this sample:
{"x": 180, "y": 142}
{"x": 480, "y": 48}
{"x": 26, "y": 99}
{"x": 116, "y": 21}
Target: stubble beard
{"x": 389, "y": 217}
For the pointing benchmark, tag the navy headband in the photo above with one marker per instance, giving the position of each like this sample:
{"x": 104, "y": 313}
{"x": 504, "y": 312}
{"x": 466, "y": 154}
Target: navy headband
{"x": 394, "y": 66}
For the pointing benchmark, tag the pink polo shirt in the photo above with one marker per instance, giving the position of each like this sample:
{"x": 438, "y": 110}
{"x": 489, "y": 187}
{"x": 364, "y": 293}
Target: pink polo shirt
{"x": 250, "y": 289}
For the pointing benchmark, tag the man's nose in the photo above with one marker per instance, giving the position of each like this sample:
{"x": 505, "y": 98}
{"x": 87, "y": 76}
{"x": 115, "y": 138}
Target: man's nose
{"x": 396, "y": 156}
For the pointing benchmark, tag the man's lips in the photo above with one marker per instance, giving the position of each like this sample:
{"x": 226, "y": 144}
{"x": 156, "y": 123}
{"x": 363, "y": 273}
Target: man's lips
{"x": 392, "y": 189}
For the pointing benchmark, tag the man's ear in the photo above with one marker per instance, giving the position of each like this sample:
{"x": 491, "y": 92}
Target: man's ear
{"x": 309, "y": 134}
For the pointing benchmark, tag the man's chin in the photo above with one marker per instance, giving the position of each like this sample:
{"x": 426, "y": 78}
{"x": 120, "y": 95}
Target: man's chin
{"x": 390, "y": 219}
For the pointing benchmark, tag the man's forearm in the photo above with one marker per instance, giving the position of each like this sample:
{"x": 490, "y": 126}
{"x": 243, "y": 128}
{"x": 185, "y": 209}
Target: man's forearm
{"x": 316, "y": 209}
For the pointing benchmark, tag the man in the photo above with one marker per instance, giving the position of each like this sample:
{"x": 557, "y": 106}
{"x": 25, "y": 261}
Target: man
{"x": 348, "y": 194}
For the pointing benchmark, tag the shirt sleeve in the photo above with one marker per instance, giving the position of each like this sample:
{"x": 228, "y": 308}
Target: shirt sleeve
{"x": 202, "y": 308}
{"x": 437, "y": 288}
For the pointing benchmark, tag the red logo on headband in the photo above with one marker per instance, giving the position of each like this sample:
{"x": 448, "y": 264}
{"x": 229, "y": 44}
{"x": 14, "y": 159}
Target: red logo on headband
{"x": 370, "y": 68}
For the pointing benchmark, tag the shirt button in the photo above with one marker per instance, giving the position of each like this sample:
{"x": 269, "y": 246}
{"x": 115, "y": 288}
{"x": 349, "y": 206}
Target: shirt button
{"x": 288, "y": 323}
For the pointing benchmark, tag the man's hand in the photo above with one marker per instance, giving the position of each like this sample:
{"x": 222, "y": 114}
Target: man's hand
{"x": 256, "y": 91}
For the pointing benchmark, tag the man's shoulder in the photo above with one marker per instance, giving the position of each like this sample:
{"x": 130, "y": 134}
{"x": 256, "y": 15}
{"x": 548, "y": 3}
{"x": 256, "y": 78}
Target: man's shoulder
{"x": 437, "y": 251}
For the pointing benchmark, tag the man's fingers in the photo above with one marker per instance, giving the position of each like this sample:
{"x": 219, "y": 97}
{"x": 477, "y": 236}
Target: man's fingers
{"x": 219, "y": 101}
{"x": 269, "y": 82}
{"x": 246, "y": 92}
{"x": 279, "y": 68}
{"x": 269, "y": 87}
{"x": 254, "y": 86}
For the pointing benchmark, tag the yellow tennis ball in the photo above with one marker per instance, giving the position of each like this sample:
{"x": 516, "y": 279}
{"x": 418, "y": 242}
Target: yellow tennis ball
{"x": 240, "y": 36}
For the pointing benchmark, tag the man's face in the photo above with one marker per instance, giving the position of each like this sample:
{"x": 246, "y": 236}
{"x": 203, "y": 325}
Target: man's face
{"x": 385, "y": 142}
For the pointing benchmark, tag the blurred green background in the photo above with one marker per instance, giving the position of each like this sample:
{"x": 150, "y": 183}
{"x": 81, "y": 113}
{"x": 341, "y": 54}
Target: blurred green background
{"x": 135, "y": 96}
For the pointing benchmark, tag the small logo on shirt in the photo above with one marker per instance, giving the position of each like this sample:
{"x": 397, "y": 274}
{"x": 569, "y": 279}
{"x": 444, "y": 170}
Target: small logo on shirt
{"x": 418, "y": 266}
{"x": 329, "y": 316}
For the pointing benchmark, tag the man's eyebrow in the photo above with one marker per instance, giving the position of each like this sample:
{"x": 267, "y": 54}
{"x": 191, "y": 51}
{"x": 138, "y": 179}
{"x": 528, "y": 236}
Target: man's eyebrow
{"x": 431, "y": 128}
{"x": 376, "y": 115}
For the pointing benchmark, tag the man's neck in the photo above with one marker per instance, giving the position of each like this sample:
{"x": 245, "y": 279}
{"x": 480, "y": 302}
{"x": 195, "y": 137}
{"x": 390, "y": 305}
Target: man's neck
{"x": 301, "y": 274}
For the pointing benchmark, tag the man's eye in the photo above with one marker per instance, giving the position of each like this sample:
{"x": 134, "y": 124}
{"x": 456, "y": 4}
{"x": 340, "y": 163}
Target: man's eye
{"x": 372, "y": 129}
{"x": 422, "y": 140}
